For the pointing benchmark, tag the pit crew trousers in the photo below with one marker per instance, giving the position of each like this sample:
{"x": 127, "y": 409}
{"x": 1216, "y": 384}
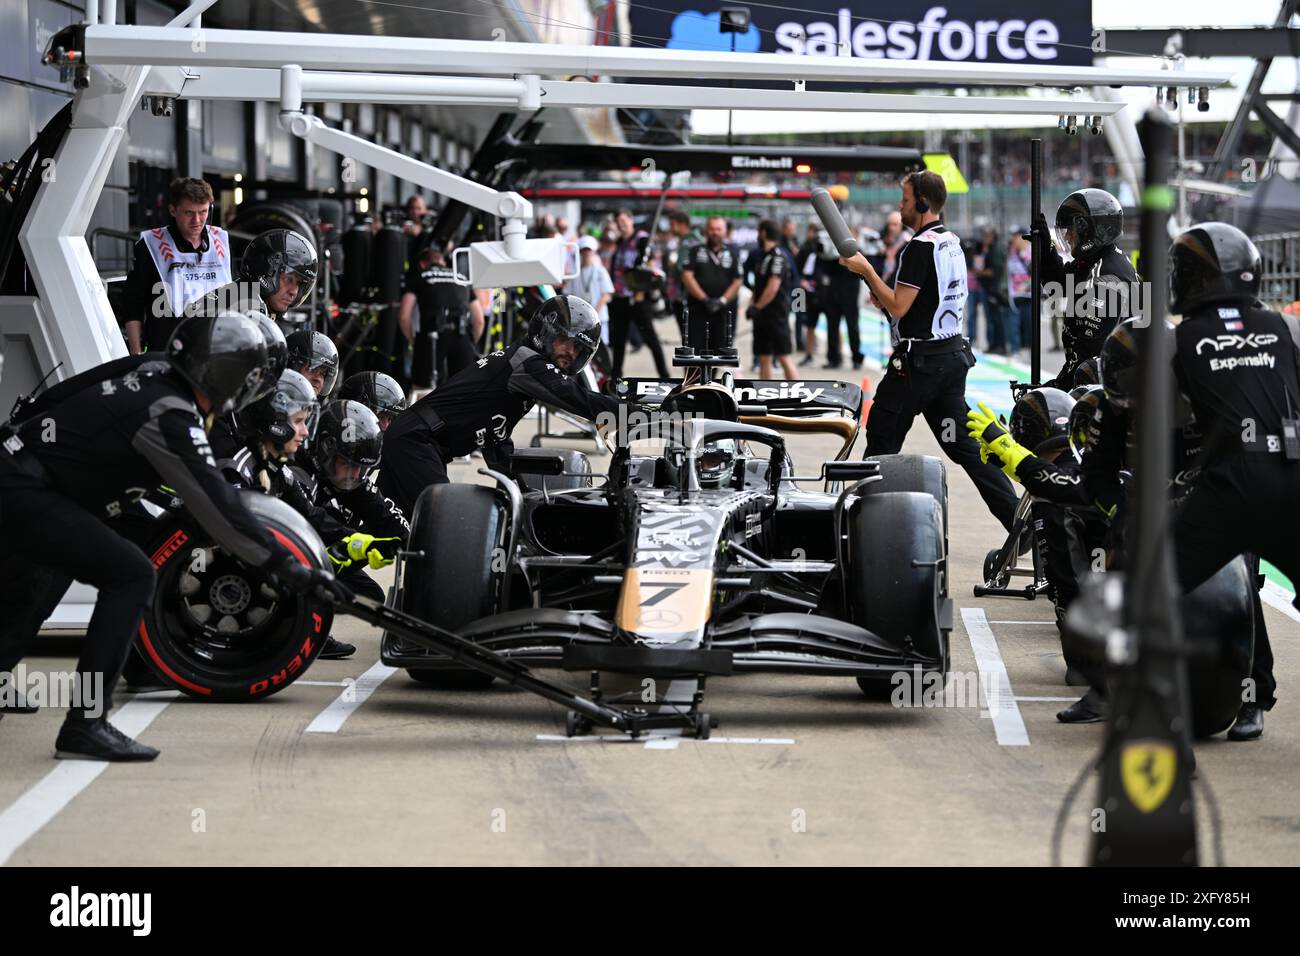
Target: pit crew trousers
{"x": 1247, "y": 504}
{"x": 412, "y": 461}
{"x": 623, "y": 311}
{"x": 936, "y": 388}
{"x": 49, "y": 534}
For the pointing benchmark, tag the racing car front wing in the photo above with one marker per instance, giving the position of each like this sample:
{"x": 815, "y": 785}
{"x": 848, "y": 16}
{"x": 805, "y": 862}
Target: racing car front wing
{"x": 774, "y": 643}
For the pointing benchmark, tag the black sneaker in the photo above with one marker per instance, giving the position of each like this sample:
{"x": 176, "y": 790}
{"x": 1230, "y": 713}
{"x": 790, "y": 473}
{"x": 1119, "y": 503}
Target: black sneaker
{"x": 1249, "y": 724}
{"x": 336, "y": 650}
{"x": 98, "y": 740}
{"x": 1088, "y": 709}
{"x": 806, "y": 361}
{"x": 831, "y": 365}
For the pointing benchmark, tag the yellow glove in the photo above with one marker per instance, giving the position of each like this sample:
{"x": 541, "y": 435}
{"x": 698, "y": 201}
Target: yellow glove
{"x": 996, "y": 443}
{"x": 367, "y": 547}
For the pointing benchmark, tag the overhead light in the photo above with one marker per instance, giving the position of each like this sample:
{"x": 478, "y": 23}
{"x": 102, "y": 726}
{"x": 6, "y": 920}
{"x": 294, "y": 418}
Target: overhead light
{"x": 364, "y": 191}
{"x": 363, "y": 204}
{"x": 239, "y": 195}
{"x": 239, "y": 177}
{"x": 803, "y": 169}
{"x": 733, "y": 19}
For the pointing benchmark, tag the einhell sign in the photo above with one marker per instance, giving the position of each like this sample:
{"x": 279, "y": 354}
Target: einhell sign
{"x": 969, "y": 31}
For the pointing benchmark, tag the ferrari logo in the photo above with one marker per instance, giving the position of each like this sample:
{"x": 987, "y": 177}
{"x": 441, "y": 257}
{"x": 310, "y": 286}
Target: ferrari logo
{"x": 1147, "y": 769}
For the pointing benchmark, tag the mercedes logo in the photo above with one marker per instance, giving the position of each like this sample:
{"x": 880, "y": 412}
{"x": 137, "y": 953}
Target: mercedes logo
{"x": 658, "y": 619}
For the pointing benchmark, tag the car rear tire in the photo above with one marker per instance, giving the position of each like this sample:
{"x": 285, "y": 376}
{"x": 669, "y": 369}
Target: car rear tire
{"x": 895, "y": 570}
{"x": 1219, "y": 620}
{"x": 459, "y": 528}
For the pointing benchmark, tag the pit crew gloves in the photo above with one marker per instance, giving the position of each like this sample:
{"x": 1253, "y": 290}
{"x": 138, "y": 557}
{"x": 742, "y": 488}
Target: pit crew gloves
{"x": 996, "y": 443}
{"x": 376, "y": 552}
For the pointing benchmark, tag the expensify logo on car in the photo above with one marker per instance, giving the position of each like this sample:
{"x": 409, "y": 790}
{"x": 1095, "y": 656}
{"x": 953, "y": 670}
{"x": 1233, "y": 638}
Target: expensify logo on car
{"x": 998, "y": 31}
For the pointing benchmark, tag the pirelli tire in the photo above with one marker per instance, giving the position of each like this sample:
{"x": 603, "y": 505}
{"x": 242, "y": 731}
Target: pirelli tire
{"x": 217, "y": 629}
{"x": 924, "y": 473}
{"x": 459, "y": 528}
{"x": 576, "y": 471}
{"x": 894, "y": 575}
{"x": 1219, "y": 630}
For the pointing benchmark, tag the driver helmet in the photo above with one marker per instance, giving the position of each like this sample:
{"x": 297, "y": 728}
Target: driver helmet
{"x": 715, "y": 462}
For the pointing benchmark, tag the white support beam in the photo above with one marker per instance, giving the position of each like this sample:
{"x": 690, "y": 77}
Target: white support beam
{"x": 192, "y": 15}
{"x": 508, "y": 205}
{"x": 576, "y": 93}
{"x": 78, "y": 325}
{"x": 243, "y": 84}
{"x": 172, "y": 46}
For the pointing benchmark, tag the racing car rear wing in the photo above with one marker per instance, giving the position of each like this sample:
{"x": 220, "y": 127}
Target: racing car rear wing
{"x": 826, "y": 407}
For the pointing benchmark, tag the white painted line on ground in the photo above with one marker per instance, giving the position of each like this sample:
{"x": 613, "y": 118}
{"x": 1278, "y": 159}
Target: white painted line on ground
{"x": 320, "y": 683}
{"x": 25, "y": 817}
{"x": 329, "y": 720}
{"x": 1044, "y": 623}
{"x": 1279, "y": 598}
{"x": 1007, "y": 723}
{"x": 1048, "y": 700}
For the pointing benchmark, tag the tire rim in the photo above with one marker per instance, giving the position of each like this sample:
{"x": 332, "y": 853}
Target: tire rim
{"x": 218, "y": 616}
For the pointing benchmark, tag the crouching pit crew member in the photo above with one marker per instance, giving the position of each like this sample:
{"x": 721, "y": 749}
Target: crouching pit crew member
{"x": 378, "y": 392}
{"x": 479, "y": 408}
{"x": 344, "y": 452}
{"x": 926, "y": 374}
{"x": 275, "y": 427}
{"x": 107, "y": 442}
{"x": 314, "y": 356}
{"x": 1213, "y": 518}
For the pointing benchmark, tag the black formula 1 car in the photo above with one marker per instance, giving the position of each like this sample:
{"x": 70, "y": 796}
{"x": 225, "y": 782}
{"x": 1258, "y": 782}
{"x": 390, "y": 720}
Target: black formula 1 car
{"x": 698, "y": 556}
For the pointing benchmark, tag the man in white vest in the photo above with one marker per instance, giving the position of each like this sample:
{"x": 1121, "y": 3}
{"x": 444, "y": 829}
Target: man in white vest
{"x": 174, "y": 265}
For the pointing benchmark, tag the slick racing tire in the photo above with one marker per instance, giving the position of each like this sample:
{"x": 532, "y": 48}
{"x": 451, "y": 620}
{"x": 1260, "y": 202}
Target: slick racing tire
{"x": 1219, "y": 621}
{"x": 219, "y": 630}
{"x": 577, "y": 469}
{"x": 894, "y": 575}
{"x": 459, "y": 528}
{"x": 923, "y": 473}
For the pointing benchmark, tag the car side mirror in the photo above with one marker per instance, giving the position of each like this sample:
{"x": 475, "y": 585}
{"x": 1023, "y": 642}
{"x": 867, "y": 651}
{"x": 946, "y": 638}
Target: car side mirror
{"x": 850, "y": 470}
{"x": 537, "y": 464}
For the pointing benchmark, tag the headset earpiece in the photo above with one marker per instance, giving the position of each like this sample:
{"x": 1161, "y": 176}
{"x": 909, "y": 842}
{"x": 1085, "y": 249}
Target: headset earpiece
{"x": 919, "y": 202}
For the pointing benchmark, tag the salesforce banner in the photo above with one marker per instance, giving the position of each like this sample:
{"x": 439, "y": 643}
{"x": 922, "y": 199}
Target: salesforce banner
{"x": 972, "y": 31}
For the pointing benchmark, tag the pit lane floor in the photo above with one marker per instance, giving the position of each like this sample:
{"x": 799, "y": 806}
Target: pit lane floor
{"x": 806, "y": 771}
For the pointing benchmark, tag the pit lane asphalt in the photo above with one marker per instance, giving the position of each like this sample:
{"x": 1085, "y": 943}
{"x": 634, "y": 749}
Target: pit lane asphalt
{"x": 416, "y": 776}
